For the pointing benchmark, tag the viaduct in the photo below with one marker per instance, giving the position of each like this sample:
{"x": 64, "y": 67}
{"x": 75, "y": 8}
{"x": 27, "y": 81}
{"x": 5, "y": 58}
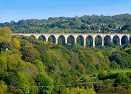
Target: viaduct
{"x": 110, "y": 37}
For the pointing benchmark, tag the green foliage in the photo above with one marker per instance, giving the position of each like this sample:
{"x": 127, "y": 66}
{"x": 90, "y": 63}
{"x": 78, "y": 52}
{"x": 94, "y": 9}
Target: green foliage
{"x": 77, "y": 91}
{"x": 30, "y": 66}
{"x": 76, "y": 24}
{"x": 3, "y": 87}
{"x": 114, "y": 65}
{"x": 16, "y": 43}
{"x": 126, "y": 28}
{"x": 12, "y": 64}
{"x": 19, "y": 81}
{"x": 5, "y": 34}
{"x": 5, "y": 39}
{"x": 123, "y": 80}
{"x": 121, "y": 58}
{"x": 39, "y": 65}
{"x": 45, "y": 84}
{"x": 29, "y": 54}
{"x": 3, "y": 63}
{"x": 119, "y": 78}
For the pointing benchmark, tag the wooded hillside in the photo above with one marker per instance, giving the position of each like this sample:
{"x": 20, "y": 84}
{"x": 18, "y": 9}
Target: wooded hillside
{"x": 85, "y": 24}
{"x": 30, "y": 66}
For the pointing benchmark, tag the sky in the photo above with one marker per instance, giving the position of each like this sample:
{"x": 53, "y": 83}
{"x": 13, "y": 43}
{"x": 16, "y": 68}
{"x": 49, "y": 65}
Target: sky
{"x": 14, "y": 10}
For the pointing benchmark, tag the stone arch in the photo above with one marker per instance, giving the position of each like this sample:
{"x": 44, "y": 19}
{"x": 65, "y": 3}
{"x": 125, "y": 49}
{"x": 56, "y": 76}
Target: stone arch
{"x": 80, "y": 40}
{"x": 130, "y": 39}
{"x": 116, "y": 40}
{"x": 61, "y": 40}
{"x": 107, "y": 40}
{"x": 22, "y": 36}
{"x": 71, "y": 39}
{"x": 42, "y": 38}
{"x": 89, "y": 41}
{"x": 124, "y": 40}
{"x": 98, "y": 41}
{"x": 52, "y": 39}
{"x": 33, "y": 36}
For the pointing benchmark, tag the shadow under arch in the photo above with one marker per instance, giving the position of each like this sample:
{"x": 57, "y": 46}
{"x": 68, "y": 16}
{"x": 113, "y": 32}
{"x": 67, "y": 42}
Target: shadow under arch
{"x": 71, "y": 39}
{"x": 80, "y": 40}
{"x": 89, "y": 41}
{"x": 52, "y": 39}
{"x": 124, "y": 40}
{"x": 98, "y": 41}
{"x": 130, "y": 39}
{"x": 116, "y": 40}
{"x": 107, "y": 40}
{"x": 42, "y": 38}
{"x": 61, "y": 40}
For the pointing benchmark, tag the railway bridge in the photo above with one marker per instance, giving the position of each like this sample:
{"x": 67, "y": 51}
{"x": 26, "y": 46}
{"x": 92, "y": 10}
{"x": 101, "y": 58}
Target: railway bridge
{"x": 103, "y": 38}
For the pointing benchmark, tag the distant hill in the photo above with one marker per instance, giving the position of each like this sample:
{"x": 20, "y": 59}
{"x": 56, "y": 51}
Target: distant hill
{"x": 84, "y": 24}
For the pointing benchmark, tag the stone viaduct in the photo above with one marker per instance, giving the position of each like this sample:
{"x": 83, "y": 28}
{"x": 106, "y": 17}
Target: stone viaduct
{"x": 102, "y": 36}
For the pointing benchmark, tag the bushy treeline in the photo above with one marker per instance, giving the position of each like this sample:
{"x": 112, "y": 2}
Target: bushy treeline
{"x": 85, "y": 24}
{"x": 29, "y": 66}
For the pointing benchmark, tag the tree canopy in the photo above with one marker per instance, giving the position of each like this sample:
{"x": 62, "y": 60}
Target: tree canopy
{"x": 84, "y": 24}
{"x": 30, "y": 66}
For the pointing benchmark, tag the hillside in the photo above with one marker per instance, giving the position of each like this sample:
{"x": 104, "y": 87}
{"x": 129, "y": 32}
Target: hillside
{"x": 85, "y": 24}
{"x": 30, "y": 66}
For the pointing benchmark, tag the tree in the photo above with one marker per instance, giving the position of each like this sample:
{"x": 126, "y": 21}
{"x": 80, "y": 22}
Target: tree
{"x": 30, "y": 54}
{"x": 123, "y": 80}
{"x": 5, "y": 38}
{"x": 45, "y": 83}
{"x": 121, "y": 58}
{"x": 114, "y": 65}
{"x": 3, "y": 87}
{"x": 39, "y": 65}
{"x": 5, "y": 34}
{"x": 16, "y": 43}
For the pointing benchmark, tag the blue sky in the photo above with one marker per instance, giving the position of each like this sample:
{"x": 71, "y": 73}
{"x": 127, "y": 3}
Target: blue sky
{"x": 42, "y": 9}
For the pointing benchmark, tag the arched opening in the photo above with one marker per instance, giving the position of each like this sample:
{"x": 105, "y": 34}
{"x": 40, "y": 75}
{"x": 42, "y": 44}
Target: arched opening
{"x": 61, "y": 40}
{"x": 42, "y": 38}
{"x": 89, "y": 41}
{"x": 80, "y": 40}
{"x": 116, "y": 40}
{"x": 22, "y": 36}
{"x": 32, "y": 36}
{"x": 107, "y": 40}
{"x": 71, "y": 39}
{"x": 124, "y": 40}
{"x": 130, "y": 40}
{"x": 52, "y": 39}
{"x": 98, "y": 41}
